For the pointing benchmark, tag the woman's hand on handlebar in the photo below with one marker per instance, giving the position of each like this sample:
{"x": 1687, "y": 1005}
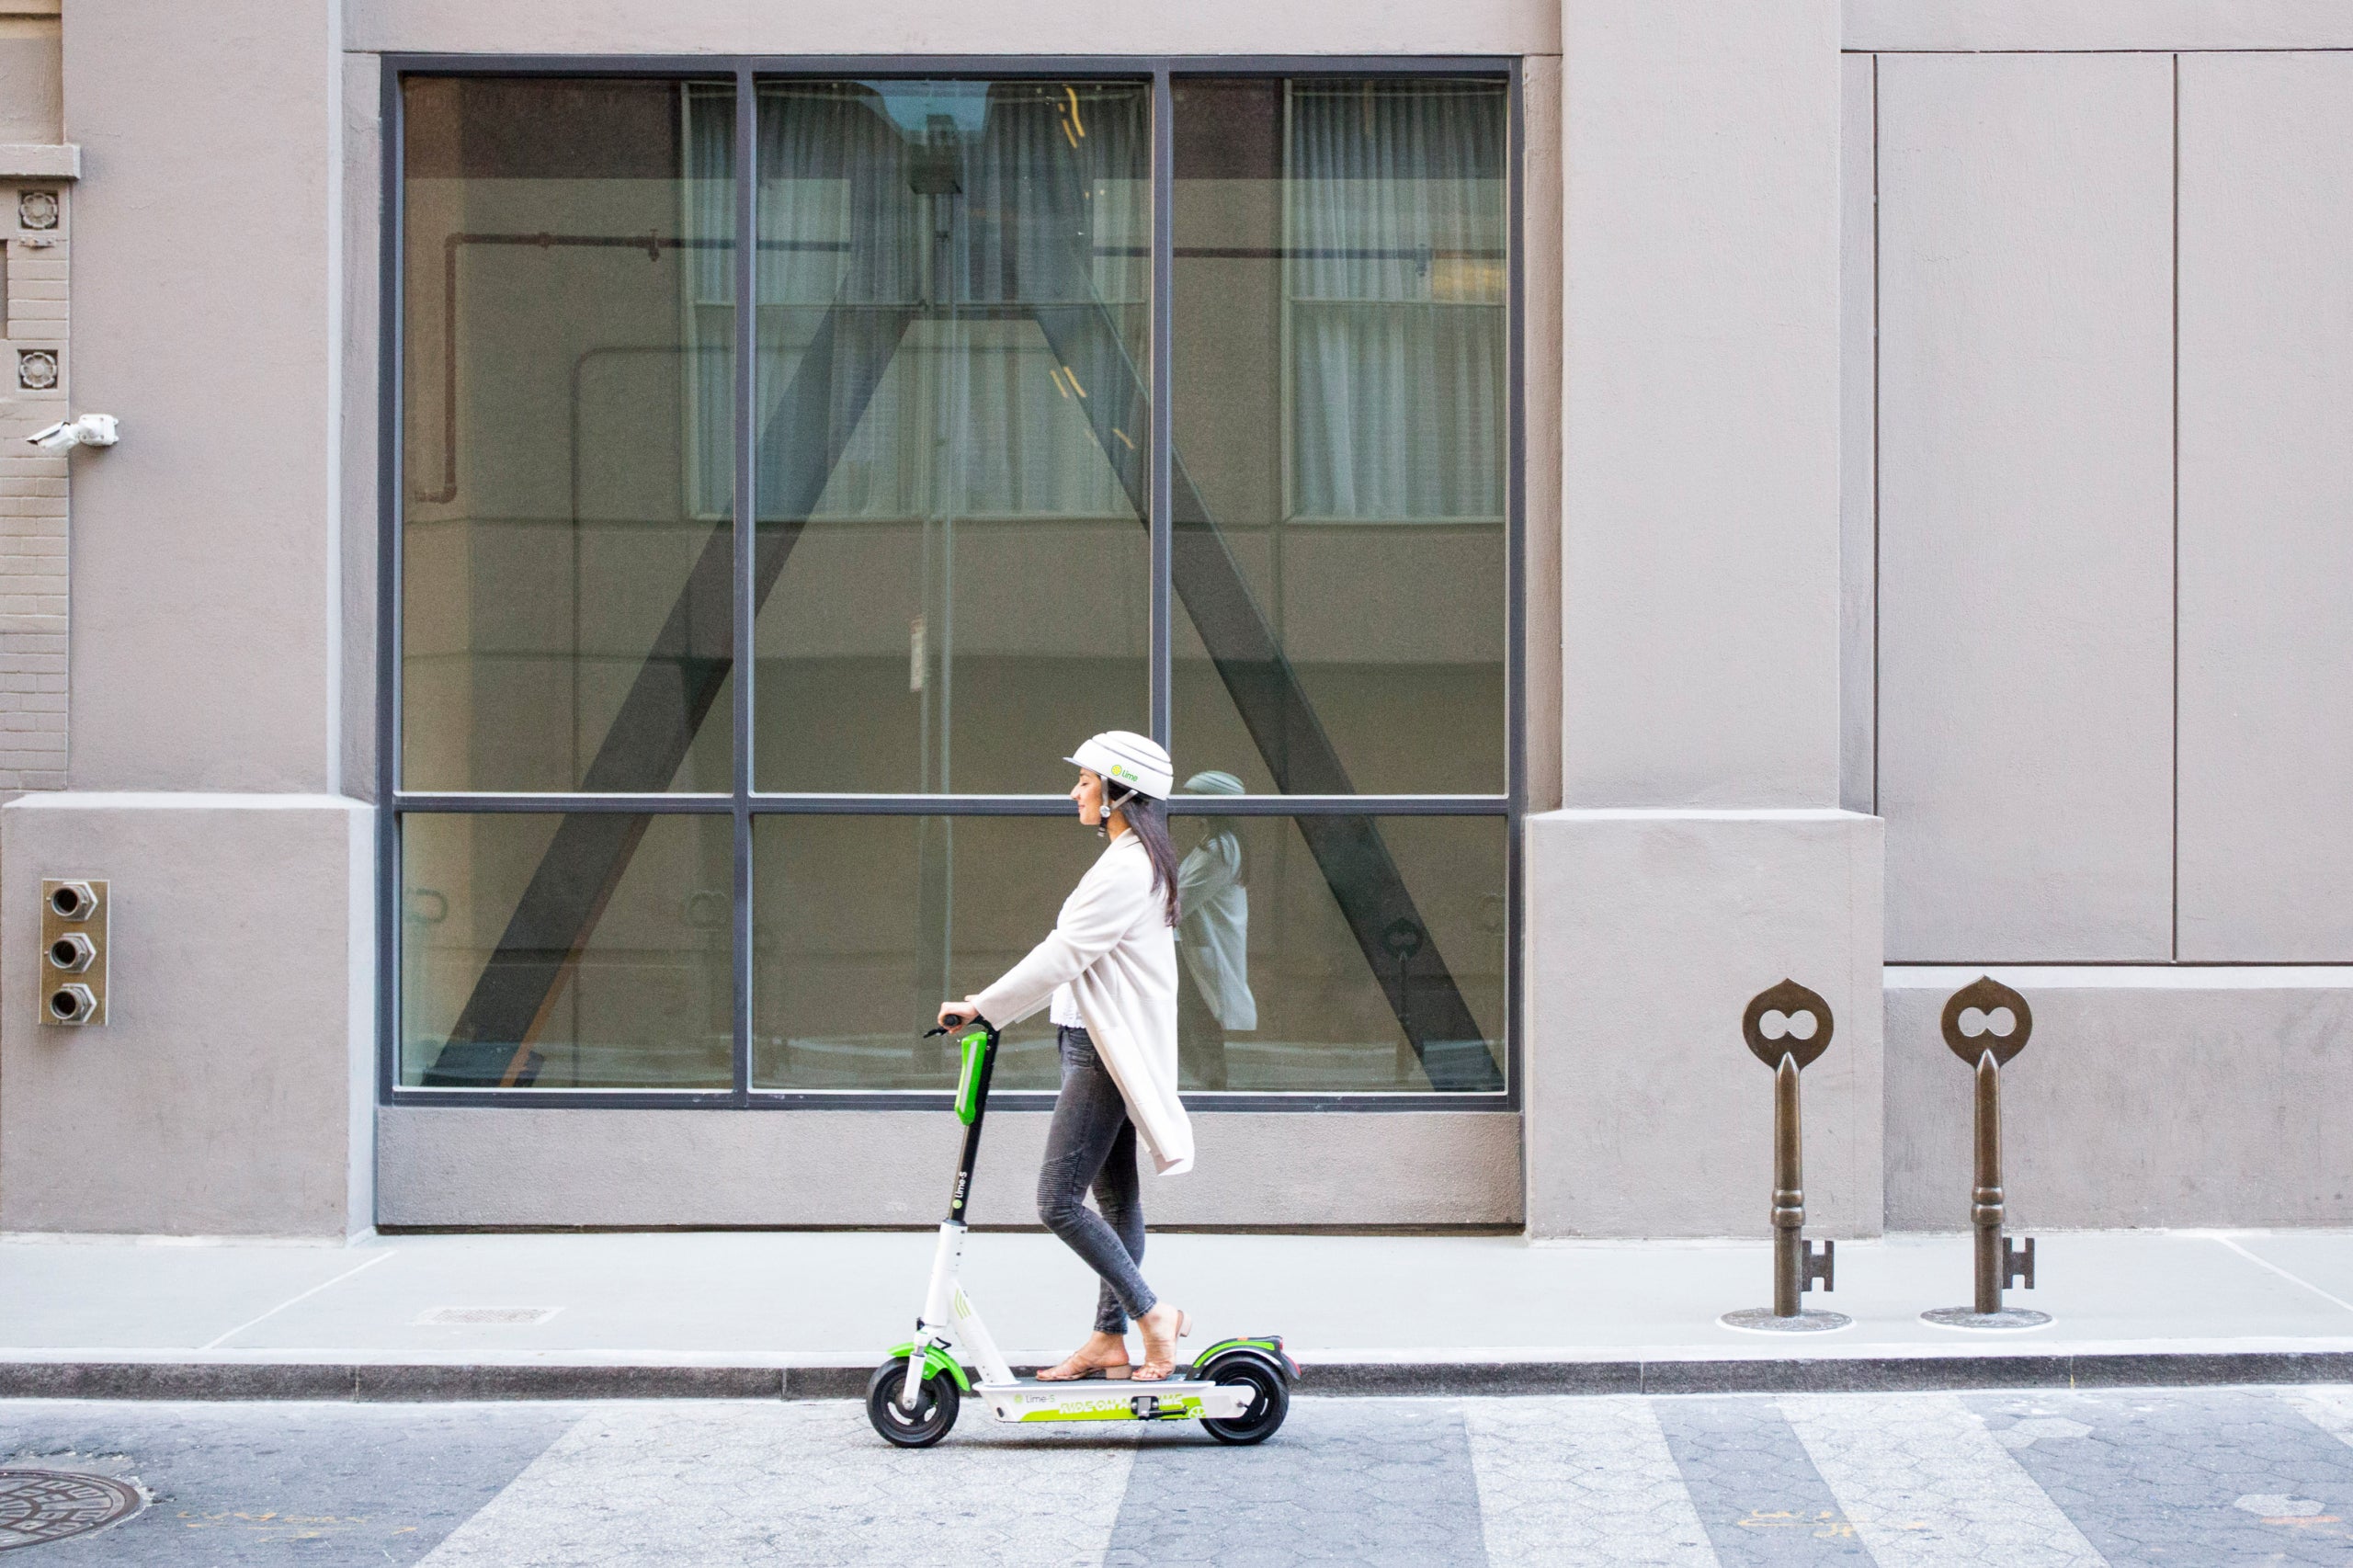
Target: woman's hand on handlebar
{"x": 956, "y": 1014}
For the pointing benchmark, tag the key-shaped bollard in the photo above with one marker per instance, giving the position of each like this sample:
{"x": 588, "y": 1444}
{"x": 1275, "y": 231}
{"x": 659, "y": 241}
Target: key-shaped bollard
{"x": 1987, "y": 1048}
{"x": 1787, "y": 1027}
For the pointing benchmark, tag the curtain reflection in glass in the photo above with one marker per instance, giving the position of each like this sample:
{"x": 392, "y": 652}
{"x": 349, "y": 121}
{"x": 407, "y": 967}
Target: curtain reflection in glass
{"x": 1341, "y": 422}
{"x": 954, "y": 317}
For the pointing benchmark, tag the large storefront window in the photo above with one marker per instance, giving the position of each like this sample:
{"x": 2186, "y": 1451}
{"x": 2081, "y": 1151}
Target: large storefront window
{"x": 920, "y": 495}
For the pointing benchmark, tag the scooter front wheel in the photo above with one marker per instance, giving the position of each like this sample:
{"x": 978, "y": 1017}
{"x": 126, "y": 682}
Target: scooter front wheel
{"x": 1269, "y": 1400}
{"x": 935, "y": 1410}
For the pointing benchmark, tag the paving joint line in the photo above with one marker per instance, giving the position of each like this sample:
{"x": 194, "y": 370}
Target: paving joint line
{"x": 291, "y": 1300}
{"x": 2260, "y": 1262}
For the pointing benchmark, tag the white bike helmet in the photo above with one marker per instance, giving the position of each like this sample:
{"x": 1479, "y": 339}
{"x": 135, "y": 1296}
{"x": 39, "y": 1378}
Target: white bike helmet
{"x": 1128, "y": 762}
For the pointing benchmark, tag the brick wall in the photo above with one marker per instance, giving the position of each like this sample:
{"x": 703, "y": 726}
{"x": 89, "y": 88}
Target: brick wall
{"x": 33, "y": 549}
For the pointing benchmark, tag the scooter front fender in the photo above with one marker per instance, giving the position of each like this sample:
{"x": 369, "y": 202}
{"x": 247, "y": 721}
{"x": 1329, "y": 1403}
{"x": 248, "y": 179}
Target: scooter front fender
{"x": 934, "y": 1360}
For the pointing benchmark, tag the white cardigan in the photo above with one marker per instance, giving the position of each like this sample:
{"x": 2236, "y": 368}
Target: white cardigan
{"x": 1112, "y": 946}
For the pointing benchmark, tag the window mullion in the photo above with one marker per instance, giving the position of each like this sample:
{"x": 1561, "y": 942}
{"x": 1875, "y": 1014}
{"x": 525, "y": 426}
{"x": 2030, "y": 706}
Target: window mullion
{"x": 746, "y": 368}
{"x": 1164, "y": 450}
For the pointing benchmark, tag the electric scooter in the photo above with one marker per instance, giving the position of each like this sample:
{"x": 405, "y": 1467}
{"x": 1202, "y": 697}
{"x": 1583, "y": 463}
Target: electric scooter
{"x": 1238, "y": 1389}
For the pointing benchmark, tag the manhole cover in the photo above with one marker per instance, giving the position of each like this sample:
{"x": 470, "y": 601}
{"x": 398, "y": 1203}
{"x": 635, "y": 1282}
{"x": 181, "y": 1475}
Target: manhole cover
{"x": 40, "y": 1505}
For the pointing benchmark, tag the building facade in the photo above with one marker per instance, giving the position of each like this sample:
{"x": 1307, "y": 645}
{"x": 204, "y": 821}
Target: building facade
{"x": 620, "y": 511}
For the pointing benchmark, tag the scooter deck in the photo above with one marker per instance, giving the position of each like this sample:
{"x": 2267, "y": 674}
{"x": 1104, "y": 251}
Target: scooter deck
{"x": 1112, "y": 1399}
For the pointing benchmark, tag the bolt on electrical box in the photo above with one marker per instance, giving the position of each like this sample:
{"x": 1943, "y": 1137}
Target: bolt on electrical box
{"x": 73, "y": 950}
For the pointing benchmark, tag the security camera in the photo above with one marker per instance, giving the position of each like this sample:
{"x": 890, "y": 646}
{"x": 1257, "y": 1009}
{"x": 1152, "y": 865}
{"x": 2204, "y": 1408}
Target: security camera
{"x": 90, "y": 430}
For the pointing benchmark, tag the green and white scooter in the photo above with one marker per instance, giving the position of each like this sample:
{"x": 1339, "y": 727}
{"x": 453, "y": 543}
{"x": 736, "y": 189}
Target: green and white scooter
{"x": 1238, "y": 1389}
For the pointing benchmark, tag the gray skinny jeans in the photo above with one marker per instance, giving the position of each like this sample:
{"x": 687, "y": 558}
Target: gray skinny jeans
{"x": 1091, "y": 1142}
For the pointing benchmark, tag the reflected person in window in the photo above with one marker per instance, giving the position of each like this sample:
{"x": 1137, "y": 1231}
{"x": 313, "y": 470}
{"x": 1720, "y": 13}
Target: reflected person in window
{"x": 1213, "y": 939}
{"x": 1108, "y": 974}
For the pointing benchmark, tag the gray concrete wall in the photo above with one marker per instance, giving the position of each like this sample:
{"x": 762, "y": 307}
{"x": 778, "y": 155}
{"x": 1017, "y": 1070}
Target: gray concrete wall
{"x": 207, "y": 281}
{"x": 232, "y": 1090}
{"x": 1699, "y": 507}
{"x": 2174, "y": 1097}
{"x": 2107, "y": 331}
{"x": 1963, "y": 26}
{"x": 1858, "y": 436}
{"x": 226, "y": 1093}
{"x": 359, "y": 208}
{"x": 920, "y": 27}
{"x": 2025, "y": 525}
{"x": 452, "y": 1167}
{"x": 1540, "y": 385}
{"x": 1648, "y": 933}
{"x": 2267, "y": 486}
{"x": 1700, "y": 857}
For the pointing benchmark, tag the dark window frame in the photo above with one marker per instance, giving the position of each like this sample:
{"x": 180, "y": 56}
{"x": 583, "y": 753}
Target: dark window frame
{"x": 744, "y": 803}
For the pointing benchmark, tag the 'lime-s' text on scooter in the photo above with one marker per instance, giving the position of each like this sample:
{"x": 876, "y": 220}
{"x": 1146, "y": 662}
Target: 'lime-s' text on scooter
{"x": 1238, "y": 1389}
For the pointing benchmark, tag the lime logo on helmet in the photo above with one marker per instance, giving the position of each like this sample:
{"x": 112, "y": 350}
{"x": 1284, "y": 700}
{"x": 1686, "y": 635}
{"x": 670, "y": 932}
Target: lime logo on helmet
{"x": 1120, "y": 771}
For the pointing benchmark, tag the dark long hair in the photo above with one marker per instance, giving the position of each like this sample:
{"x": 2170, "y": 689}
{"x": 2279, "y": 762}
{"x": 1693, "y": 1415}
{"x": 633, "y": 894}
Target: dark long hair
{"x": 1148, "y": 820}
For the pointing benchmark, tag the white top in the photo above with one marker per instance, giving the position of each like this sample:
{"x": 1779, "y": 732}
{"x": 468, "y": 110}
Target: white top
{"x": 1111, "y": 949}
{"x": 1214, "y": 936}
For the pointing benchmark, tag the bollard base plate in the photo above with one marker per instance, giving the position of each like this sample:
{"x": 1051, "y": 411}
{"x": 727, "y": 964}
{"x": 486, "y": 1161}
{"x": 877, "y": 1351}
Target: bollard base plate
{"x": 1760, "y": 1320}
{"x": 1970, "y": 1317}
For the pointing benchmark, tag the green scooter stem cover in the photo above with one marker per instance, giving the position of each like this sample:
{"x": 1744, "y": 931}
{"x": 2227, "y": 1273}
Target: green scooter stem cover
{"x": 968, "y": 1081}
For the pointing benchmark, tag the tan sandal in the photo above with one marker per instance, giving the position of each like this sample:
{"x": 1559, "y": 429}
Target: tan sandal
{"x": 1076, "y": 1365}
{"x": 1160, "y": 1355}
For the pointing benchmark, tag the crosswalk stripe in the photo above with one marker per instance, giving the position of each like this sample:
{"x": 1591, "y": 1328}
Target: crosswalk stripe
{"x": 786, "y": 1485}
{"x": 1926, "y": 1485}
{"x": 1580, "y": 1484}
{"x": 2330, "y": 1409}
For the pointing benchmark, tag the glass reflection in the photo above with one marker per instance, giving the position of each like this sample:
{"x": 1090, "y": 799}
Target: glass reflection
{"x": 591, "y": 951}
{"x": 1212, "y": 937}
{"x": 1371, "y": 955}
{"x": 861, "y": 926}
{"x": 566, "y": 618}
{"x": 1341, "y": 418}
{"x": 954, "y": 318}
{"x": 1316, "y": 954}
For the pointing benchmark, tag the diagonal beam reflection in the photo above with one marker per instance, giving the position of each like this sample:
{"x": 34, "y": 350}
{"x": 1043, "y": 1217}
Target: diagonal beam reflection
{"x": 688, "y": 663}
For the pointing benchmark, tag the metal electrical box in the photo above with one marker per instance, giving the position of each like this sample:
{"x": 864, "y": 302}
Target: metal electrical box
{"x": 73, "y": 950}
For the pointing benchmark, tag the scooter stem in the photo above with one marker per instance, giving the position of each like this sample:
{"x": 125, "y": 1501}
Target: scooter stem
{"x": 943, "y": 1302}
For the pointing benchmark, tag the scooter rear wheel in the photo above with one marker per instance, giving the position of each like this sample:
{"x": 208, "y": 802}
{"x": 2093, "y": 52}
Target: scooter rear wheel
{"x": 934, "y": 1413}
{"x": 1269, "y": 1400}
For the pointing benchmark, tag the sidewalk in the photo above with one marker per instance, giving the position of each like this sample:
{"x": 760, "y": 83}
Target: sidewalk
{"x": 807, "y": 1313}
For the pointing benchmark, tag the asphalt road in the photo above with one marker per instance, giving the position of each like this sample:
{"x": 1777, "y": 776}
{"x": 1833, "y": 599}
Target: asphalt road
{"x": 2156, "y": 1476}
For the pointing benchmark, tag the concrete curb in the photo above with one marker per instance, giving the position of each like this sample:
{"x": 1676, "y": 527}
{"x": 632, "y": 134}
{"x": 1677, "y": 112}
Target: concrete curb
{"x": 1856, "y": 1374}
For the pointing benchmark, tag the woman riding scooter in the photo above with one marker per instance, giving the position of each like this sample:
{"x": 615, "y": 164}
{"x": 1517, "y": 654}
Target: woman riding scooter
{"x": 1108, "y": 975}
